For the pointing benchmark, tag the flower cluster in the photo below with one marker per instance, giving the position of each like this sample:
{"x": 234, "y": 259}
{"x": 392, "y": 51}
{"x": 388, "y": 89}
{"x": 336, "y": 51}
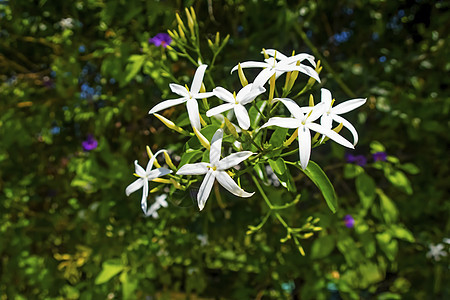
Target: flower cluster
{"x": 250, "y": 146}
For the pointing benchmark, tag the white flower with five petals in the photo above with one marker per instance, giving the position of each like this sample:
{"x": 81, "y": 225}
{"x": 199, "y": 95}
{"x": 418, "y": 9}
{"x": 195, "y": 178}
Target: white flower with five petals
{"x": 279, "y": 64}
{"x": 236, "y": 102}
{"x": 160, "y": 201}
{"x": 215, "y": 169}
{"x": 304, "y": 123}
{"x": 144, "y": 177}
{"x": 332, "y": 113}
{"x": 188, "y": 96}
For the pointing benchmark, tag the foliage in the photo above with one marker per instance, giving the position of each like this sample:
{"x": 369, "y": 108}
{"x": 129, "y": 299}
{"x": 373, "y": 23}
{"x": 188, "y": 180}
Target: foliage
{"x": 67, "y": 230}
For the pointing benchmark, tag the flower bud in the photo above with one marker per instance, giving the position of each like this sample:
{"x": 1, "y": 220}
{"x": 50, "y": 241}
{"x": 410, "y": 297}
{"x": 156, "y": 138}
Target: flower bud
{"x": 202, "y": 139}
{"x": 242, "y": 77}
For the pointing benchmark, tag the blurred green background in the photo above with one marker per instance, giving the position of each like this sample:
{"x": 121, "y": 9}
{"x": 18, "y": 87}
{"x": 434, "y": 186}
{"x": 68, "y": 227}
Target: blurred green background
{"x": 76, "y": 71}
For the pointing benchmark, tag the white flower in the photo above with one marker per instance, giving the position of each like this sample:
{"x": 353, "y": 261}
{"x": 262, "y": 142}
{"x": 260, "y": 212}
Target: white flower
{"x": 160, "y": 201}
{"x": 279, "y": 64}
{"x": 436, "y": 252}
{"x": 66, "y": 23}
{"x": 144, "y": 177}
{"x": 236, "y": 102}
{"x": 203, "y": 239}
{"x": 304, "y": 123}
{"x": 189, "y": 96}
{"x": 332, "y": 113}
{"x": 215, "y": 169}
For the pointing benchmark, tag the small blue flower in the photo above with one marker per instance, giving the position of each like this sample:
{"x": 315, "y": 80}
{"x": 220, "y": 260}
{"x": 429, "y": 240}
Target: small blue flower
{"x": 360, "y": 160}
{"x": 379, "y": 156}
{"x": 161, "y": 39}
{"x": 349, "y": 221}
{"x": 90, "y": 143}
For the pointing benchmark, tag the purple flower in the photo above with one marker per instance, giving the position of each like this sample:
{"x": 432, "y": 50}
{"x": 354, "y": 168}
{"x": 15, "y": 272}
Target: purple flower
{"x": 349, "y": 221}
{"x": 379, "y": 156}
{"x": 90, "y": 143}
{"x": 360, "y": 160}
{"x": 160, "y": 39}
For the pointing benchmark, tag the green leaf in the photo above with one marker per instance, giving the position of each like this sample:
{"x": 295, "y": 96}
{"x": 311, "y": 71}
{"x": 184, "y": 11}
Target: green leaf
{"x": 388, "y": 245}
{"x": 402, "y": 233}
{"x": 320, "y": 179}
{"x": 352, "y": 170}
{"x": 255, "y": 116}
{"x": 110, "y": 269}
{"x": 410, "y": 168}
{"x": 398, "y": 179}
{"x": 323, "y": 246}
{"x": 376, "y": 146}
{"x": 278, "y": 136}
{"x": 133, "y": 67}
{"x": 279, "y": 168}
{"x": 365, "y": 187}
{"x": 190, "y": 155}
{"x": 129, "y": 285}
{"x": 388, "y": 208}
{"x": 207, "y": 131}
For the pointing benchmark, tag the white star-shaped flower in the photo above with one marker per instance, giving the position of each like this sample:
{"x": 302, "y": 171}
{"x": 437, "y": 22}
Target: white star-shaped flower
{"x": 160, "y": 201}
{"x": 189, "y": 96}
{"x": 304, "y": 123}
{"x": 436, "y": 252}
{"x": 215, "y": 169}
{"x": 332, "y": 113}
{"x": 144, "y": 177}
{"x": 236, "y": 102}
{"x": 279, "y": 64}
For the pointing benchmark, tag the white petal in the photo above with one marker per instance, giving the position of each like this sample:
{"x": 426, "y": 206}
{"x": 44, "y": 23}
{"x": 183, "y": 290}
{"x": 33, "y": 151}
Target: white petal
{"x": 179, "y": 89}
{"x": 283, "y": 122}
{"x": 193, "y": 169}
{"x": 144, "y": 197}
{"x": 152, "y": 160}
{"x": 299, "y": 57}
{"x": 304, "y": 146}
{"x": 331, "y": 134}
{"x": 348, "y": 125}
{"x": 194, "y": 115}
{"x": 263, "y": 77}
{"x": 158, "y": 173}
{"x": 326, "y": 121}
{"x": 348, "y": 106}
{"x": 293, "y": 107}
{"x": 198, "y": 78}
{"x": 216, "y": 147}
{"x": 166, "y": 104}
{"x": 302, "y": 68}
{"x": 233, "y": 160}
{"x": 202, "y": 95}
{"x": 219, "y": 109}
{"x": 248, "y": 93}
{"x": 227, "y": 182}
{"x": 137, "y": 184}
{"x": 138, "y": 169}
{"x": 271, "y": 52}
{"x": 242, "y": 116}
{"x": 161, "y": 200}
{"x": 251, "y": 64}
{"x": 205, "y": 189}
{"x": 223, "y": 94}
{"x": 326, "y": 97}
{"x": 317, "y": 111}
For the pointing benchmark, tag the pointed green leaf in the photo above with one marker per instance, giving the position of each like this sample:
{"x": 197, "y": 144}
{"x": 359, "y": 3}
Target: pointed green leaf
{"x": 110, "y": 269}
{"x": 316, "y": 174}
